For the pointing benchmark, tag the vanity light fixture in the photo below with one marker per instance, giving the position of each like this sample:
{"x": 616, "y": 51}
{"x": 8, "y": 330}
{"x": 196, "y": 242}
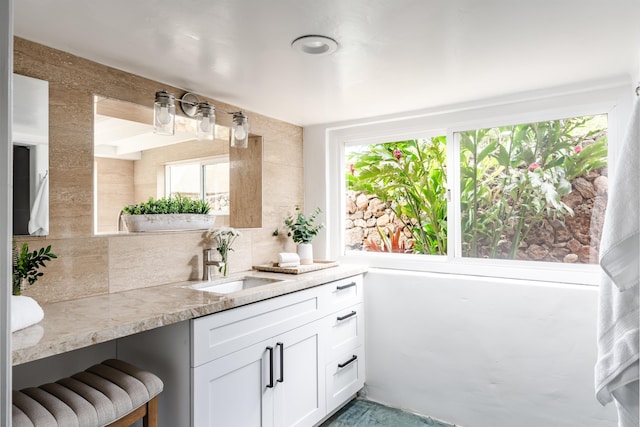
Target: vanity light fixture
{"x": 164, "y": 114}
{"x": 315, "y": 45}
{"x": 240, "y": 130}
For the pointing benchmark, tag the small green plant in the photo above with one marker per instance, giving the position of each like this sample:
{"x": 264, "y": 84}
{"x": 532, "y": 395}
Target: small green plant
{"x": 26, "y": 265}
{"x": 177, "y": 204}
{"x": 303, "y": 229}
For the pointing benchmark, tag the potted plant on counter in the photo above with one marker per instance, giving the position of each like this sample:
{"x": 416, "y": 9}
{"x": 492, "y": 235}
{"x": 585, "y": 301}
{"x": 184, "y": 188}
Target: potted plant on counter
{"x": 302, "y": 229}
{"x": 26, "y": 265}
{"x": 166, "y": 214}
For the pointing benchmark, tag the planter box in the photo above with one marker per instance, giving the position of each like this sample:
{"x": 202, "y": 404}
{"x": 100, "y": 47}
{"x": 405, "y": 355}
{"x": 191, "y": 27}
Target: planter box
{"x": 168, "y": 222}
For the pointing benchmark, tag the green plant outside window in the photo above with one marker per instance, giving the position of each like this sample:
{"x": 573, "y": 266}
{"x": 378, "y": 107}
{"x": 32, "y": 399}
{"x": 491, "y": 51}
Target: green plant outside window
{"x": 513, "y": 182}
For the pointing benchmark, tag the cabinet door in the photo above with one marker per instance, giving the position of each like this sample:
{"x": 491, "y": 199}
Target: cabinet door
{"x": 300, "y": 389}
{"x": 233, "y": 391}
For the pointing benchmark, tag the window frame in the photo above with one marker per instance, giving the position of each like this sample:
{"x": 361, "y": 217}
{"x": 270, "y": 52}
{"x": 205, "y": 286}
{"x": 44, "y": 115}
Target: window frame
{"x": 202, "y": 163}
{"x": 601, "y": 101}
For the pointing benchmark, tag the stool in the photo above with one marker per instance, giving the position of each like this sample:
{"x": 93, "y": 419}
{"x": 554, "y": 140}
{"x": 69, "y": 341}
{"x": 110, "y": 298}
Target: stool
{"x": 112, "y": 393}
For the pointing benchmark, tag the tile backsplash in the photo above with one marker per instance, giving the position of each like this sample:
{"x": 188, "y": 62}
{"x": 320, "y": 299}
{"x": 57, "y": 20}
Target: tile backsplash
{"x": 90, "y": 265}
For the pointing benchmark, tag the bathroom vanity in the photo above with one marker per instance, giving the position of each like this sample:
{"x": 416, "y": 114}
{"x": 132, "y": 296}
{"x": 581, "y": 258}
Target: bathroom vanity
{"x": 285, "y": 361}
{"x": 288, "y": 353}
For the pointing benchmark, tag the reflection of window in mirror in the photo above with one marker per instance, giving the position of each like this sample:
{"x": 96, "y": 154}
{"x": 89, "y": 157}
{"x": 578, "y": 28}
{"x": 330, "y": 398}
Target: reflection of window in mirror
{"x": 207, "y": 180}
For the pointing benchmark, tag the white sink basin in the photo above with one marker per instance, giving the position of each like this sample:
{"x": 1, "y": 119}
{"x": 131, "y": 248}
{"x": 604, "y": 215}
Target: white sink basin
{"x": 235, "y": 284}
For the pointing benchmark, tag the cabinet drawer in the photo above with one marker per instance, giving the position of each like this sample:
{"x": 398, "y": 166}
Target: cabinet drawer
{"x": 343, "y": 293}
{"x": 345, "y": 330}
{"x": 222, "y": 333}
{"x": 344, "y": 377}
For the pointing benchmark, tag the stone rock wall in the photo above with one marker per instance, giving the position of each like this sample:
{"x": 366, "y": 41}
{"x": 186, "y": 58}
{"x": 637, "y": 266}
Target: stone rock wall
{"x": 574, "y": 239}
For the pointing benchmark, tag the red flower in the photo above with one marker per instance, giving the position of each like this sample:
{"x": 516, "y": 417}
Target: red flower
{"x": 352, "y": 169}
{"x": 577, "y": 149}
{"x": 533, "y": 166}
{"x": 397, "y": 154}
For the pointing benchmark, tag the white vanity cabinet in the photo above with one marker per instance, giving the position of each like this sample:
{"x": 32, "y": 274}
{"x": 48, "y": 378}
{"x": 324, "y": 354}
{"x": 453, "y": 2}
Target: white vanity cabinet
{"x": 274, "y": 382}
{"x": 260, "y": 365}
{"x": 285, "y": 361}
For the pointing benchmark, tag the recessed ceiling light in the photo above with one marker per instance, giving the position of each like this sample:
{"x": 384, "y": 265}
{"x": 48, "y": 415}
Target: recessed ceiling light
{"x": 315, "y": 45}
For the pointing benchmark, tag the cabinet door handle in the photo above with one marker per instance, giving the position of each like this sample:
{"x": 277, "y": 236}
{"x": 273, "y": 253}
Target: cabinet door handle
{"x": 348, "y": 362}
{"x": 343, "y": 287}
{"x": 346, "y": 316}
{"x": 270, "y": 350}
{"x": 281, "y": 379}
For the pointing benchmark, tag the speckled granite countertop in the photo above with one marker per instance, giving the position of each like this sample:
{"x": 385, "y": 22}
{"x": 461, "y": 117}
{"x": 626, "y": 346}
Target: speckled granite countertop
{"x": 69, "y": 325}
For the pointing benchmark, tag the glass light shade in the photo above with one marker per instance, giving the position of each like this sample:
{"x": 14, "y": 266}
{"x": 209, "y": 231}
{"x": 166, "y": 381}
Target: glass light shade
{"x": 240, "y": 137}
{"x": 164, "y": 114}
{"x": 205, "y": 121}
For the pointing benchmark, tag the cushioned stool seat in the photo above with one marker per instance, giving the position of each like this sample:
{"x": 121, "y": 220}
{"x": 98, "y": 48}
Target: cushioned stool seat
{"x": 110, "y": 393}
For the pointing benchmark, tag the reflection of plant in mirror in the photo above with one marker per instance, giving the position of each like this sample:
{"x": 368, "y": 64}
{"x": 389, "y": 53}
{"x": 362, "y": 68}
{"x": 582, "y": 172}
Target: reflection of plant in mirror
{"x": 26, "y": 265}
{"x": 177, "y": 204}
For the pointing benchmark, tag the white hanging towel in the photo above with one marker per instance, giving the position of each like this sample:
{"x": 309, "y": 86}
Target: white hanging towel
{"x": 617, "y": 369}
{"x": 39, "y": 218}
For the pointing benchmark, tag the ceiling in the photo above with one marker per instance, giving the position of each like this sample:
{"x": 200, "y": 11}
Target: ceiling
{"x": 393, "y": 55}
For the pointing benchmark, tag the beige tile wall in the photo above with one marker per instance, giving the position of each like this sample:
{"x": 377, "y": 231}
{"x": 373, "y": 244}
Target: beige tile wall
{"x": 90, "y": 265}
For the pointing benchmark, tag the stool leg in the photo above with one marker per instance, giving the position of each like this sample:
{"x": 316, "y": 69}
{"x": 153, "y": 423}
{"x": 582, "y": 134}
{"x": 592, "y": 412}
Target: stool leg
{"x": 151, "y": 418}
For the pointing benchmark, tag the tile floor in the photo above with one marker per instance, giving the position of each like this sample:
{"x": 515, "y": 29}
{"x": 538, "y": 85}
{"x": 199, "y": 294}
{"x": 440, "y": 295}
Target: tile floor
{"x": 364, "y": 413}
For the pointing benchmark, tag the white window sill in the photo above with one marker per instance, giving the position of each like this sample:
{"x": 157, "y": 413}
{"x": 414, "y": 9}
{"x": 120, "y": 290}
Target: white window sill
{"x": 581, "y": 274}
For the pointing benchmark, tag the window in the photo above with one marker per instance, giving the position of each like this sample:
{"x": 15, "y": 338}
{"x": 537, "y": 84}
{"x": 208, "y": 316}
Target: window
{"x": 397, "y": 197}
{"x": 524, "y": 192}
{"x": 534, "y": 191}
{"x": 207, "y": 180}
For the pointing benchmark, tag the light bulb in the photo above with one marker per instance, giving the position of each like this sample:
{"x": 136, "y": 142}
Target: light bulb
{"x": 164, "y": 118}
{"x": 205, "y": 124}
{"x": 240, "y": 133}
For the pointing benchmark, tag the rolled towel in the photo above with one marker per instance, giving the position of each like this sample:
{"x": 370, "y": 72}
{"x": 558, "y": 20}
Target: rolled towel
{"x": 288, "y": 264}
{"x": 287, "y": 257}
{"x": 25, "y": 311}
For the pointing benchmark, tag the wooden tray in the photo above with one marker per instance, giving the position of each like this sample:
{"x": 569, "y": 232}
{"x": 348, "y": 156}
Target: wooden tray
{"x": 317, "y": 265}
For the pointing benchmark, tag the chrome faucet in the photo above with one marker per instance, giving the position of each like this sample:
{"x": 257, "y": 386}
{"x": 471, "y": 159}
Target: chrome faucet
{"x": 207, "y": 263}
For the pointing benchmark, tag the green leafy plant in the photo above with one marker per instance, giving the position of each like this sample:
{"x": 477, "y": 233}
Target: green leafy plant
{"x": 302, "y": 228}
{"x": 177, "y": 204}
{"x": 410, "y": 178}
{"x": 26, "y": 265}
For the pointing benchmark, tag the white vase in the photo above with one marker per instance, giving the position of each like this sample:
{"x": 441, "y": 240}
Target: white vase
{"x": 305, "y": 252}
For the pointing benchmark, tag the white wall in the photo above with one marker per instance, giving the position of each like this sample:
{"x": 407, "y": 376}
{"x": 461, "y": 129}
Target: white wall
{"x": 482, "y": 352}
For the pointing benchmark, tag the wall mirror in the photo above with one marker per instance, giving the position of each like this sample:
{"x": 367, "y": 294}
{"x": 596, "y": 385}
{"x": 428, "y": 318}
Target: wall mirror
{"x": 132, "y": 164}
{"x": 30, "y": 136}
